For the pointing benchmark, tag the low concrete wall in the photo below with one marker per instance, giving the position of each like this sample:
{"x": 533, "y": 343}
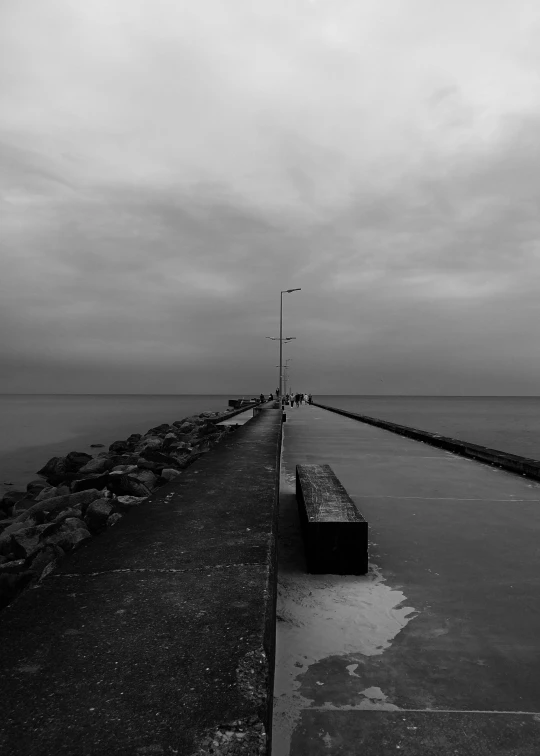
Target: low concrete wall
{"x": 158, "y": 637}
{"x": 524, "y": 466}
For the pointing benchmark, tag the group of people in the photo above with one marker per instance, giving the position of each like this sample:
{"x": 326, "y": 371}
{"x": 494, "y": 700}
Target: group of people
{"x": 291, "y": 399}
{"x": 298, "y": 399}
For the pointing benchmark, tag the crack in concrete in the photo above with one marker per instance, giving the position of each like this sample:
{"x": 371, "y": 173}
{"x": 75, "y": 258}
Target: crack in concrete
{"x": 171, "y": 570}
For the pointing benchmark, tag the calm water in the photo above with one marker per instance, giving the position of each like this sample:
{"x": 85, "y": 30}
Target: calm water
{"x": 508, "y": 423}
{"x": 34, "y": 428}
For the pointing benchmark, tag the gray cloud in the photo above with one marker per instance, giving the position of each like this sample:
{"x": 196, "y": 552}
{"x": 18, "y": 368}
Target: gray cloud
{"x": 165, "y": 170}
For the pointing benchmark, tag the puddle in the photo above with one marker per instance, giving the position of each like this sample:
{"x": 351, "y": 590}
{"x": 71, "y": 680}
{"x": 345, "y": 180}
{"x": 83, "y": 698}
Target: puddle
{"x": 323, "y": 616}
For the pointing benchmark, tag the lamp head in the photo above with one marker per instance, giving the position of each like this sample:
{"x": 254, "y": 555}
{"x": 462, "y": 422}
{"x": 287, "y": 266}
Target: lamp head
{"x": 289, "y": 290}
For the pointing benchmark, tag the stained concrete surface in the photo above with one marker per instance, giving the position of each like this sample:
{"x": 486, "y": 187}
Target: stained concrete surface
{"x": 435, "y": 651}
{"x": 157, "y": 636}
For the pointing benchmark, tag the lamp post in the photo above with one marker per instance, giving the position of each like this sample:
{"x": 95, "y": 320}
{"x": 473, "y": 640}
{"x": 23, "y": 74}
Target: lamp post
{"x": 287, "y": 291}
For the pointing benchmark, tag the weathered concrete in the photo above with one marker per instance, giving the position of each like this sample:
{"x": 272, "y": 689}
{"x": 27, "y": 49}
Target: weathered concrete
{"x": 335, "y": 533}
{"x": 435, "y": 651}
{"x": 529, "y": 468}
{"x": 158, "y": 636}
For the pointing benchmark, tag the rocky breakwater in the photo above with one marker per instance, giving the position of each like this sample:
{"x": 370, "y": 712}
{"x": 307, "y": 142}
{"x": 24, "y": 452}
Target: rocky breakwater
{"x": 78, "y": 496}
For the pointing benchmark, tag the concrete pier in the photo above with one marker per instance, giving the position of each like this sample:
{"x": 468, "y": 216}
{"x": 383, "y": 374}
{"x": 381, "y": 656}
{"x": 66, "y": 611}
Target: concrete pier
{"x": 157, "y": 637}
{"x": 436, "y": 650}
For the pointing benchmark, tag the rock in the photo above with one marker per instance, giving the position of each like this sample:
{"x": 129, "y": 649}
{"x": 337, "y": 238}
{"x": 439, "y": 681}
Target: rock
{"x": 49, "y": 554}
{"x": 47, "y": 493}
{"x": 13, "y": 567}
{"x": 119, "y": 446}
{"x": 124, "y": 468}
{"x": 152, "y": 442}
{"x": 170, "y": 474}
{"x": 55, "y": 466}
{"x": 10, "y": 498}
{"x": 53, "y": 527}
{"x": 165, "y": 460}
{"x": 60, "y": 466}
{"x": 93, "y": 481}
{"x": 76, "y": 460}
{"x": 113, "y": 519}
{"x": 96, "y": 466}
{"x": 62, "y": 502}
{"x": 36, "y": 486}
{"x": 163, "y": 428}
{"x": 22, "y": 506}
{"x": 146, "y": 477}
{"x": 184, "y": 460}
{"x": 70, "y": 535}
{"x": 63, "y": 491}
{"x": 125, "y": 503}
{"x": 145, "y": 464}
{"x": 96, "y": 446}
{"x": 25, "y": 542}
{"x": 97, "y": 515}
{"x": 123, "y": 459}
{"x": 125, "y": 484}
{"x": 169, "y": 439}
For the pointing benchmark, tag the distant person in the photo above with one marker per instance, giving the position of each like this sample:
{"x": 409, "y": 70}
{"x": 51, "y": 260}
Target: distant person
{"x": 310, "y": 399}
{"x": 261, "y": 398}
{"x": 297, "y": 400}
{"x": 270, "y": 397}
{"x": 277, "y": 393}
{"x": 306, "y": 398}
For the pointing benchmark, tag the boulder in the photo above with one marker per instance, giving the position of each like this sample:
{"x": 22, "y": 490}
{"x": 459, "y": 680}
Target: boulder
{"x": 169, "y": 474}
{"x": 96, "y": 446}
{"x": 58, "y": 503}
{"x": 163, "y": 428}
{"x": 92, "y": 481}
{"x": 25, "y": 542}
{"x": 145, "y": 464}
{"x": 47, "y": 493}
{"x": 51, "y": 528}
{"x": 97, "y": 515}
{"x": 152, "y": 442}
{"x": 169, "y": 439}
{"x": 13, "y": 567}
{"x": 76, "y": 460}
{"x": 119, "y": 446}
{"x": 124, "y": 468}
{"x": 147, "y": 477}
{"x": 113, "y": 519}
{"x": 10, "y": 498}
{"x": 60, "y": 466}
{"x": 126, "y": 484}
{"x": 22, "y": 506}
{"x": 49, "y": 554}
{"x": 96, "y": 466}
{"x": 36, "y": 486}
{"x": 125, "y": 503}
{"x": 165, "y": 460}
{"x": 70, "y": 535}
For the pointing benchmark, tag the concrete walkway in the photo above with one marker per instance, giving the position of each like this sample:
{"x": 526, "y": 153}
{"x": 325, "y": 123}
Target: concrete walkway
{"x": 437, "y": 649}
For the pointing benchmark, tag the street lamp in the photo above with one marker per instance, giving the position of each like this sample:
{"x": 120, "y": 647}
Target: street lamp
{"x": 287, "y": 291}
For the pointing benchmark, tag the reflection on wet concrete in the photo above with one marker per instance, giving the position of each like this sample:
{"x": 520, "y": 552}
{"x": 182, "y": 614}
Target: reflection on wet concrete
{"x": 327, "y": 626}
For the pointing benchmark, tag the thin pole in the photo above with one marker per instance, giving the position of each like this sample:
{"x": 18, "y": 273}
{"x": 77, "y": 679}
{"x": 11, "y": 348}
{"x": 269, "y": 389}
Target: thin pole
{"x": 281, "y": 348}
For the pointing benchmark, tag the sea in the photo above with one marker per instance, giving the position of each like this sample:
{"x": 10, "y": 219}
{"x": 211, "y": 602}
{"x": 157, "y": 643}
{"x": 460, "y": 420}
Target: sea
{"x": 34, "y": 428}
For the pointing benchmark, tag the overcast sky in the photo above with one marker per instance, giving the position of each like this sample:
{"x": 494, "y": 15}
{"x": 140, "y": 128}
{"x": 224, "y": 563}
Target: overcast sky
{"x": 166, "y": 168}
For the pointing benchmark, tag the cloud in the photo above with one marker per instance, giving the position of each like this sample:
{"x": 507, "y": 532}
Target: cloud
{"x": 166, "y": 169}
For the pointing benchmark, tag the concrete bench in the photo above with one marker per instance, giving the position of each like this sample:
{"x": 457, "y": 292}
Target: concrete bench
{"x": 335, "y": 533}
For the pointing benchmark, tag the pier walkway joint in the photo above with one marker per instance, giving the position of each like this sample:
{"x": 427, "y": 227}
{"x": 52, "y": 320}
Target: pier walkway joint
{"x": 435, "y": 651}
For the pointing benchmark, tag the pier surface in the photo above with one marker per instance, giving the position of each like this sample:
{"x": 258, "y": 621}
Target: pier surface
{"x": 156, "y": 637}
{"x": 435, "y": 651}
